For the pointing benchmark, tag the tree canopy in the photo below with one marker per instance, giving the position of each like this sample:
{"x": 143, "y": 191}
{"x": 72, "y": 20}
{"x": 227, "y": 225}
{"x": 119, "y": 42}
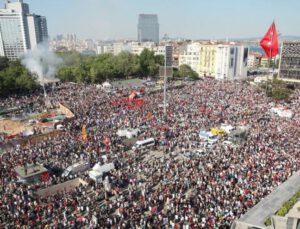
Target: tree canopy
{"x": 97, "y": 69}
{"x": 15, "y": 78}
{"x": 185, "y": 71}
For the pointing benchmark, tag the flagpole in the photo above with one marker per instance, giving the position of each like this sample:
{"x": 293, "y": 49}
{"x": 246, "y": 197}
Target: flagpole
{"x": 279, "y": 67}
{"x": 270, "y": 59}
{"x": 165, "y": 82}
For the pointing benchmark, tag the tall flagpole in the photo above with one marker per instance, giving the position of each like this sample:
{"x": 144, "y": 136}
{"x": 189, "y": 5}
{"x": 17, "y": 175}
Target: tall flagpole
{"x": 279, "y": 67}
{"x": 165, "y": 82}
{"x": 274, "y": 60}
{"x": 270, "y": 59}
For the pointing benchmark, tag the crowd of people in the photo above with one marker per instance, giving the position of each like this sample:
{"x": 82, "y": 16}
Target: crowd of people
{"x": 158, "y": 187}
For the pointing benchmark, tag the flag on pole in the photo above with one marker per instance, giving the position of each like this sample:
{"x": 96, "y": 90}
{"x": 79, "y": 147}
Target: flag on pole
{"x": 269, "y": 42}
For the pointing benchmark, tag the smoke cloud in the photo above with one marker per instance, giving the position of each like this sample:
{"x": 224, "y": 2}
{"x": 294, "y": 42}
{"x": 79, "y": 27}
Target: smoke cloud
{"x": 42, "y": 62}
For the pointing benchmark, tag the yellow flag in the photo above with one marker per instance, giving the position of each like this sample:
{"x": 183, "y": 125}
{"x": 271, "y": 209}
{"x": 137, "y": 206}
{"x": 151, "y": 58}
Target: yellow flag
{"x": 84, "y": 134}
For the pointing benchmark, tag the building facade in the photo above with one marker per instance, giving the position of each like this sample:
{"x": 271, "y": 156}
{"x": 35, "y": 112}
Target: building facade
{"x": 290, "y": 61}
{"x": 265, "y": 62}
{"x": 148, "y": 28}
{"x": 254, "y": 60}
{"x": 20, "y": 30}
{"x": 37, "y": 28}
{"x": 222, "y": 61}
{"x": 231, "y": 62}
{"x": 207, "y": 60}
{"x": 191, "y": 56}
{"x": 166, "y": 51}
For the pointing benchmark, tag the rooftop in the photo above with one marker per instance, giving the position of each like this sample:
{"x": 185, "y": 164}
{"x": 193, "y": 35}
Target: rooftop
{"x": 32, "y": 170}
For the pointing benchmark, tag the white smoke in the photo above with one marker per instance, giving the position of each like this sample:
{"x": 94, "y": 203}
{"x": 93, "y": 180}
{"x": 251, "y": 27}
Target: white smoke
{"x": 42, "y": 62}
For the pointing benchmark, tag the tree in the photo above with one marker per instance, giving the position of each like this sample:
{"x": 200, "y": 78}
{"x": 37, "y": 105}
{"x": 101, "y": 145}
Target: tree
{"x": 127, "y": 64}
{"x": 186, "y": 71}
{"x": 148, "y": 65}
{"x": 160, "y": 60}
{"x": 4, "y": 63}
{"x": 66, "y": 74}
{"x": 71, "y": 57}
{"x": 15, "y": 79}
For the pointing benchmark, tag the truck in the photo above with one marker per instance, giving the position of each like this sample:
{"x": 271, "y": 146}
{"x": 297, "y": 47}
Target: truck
{"x": 76, "y": 168}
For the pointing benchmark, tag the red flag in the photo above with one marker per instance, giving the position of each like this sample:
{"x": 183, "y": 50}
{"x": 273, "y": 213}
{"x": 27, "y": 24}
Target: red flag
{"x": 106, "y": 141}
{"x": 269, "y": 42}
{"x": 44, "y": 176}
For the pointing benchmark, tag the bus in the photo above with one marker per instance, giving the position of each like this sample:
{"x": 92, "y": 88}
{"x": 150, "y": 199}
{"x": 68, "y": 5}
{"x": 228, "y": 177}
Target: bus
{"x": 143, "y": 144}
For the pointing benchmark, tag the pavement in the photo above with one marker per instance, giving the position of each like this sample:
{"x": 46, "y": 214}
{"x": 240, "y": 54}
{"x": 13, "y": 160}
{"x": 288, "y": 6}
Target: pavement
{"x": 267, "y": 207}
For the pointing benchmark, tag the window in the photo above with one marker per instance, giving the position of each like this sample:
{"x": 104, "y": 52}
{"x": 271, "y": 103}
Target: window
{"x": 231, "y": 62}
{"x": 231, "y": 51}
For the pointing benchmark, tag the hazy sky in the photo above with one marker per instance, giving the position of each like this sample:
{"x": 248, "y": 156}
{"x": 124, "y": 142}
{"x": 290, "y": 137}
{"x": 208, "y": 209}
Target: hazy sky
{"x": 115, "y": 19}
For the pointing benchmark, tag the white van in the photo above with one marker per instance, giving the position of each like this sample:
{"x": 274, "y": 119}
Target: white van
{"x": 144, "y": 144}
{"x": 97, "y": 172}
{"x": 208, "y": 136}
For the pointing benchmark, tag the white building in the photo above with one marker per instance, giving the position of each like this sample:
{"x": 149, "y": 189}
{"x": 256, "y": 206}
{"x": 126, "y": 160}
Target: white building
{"x": 231, "y": 61}
{"x": 138, "y": 47}
{"x": 37, "y": 28}
{"x": 121, "y": 47}
{"x": 254, "y": 60}
{"x": 191, "y": 56}
{"x": 222, "y": 61}
{"x": 164, "y": 50}
{"x": 20, "y": 30}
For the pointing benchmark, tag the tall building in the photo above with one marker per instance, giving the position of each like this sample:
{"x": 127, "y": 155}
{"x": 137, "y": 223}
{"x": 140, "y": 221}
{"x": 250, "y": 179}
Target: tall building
{"x": 148, "y": 28}
{"x": 231, "y": 61}
{"x": 20, "y": 30}
{"x": 290, "y": 61}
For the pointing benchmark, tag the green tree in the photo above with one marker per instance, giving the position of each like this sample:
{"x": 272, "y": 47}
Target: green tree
{"x": 160, "y": 60}
{"x": 126, "y": 64}
{"x": 148, "y": 65}
{"x": 4, "y": 63}
{"x": 71, "y": 57}
{"x": 66, "y": 74}
{"x": 15, "y": 79}
{"x": 186, "y": 71}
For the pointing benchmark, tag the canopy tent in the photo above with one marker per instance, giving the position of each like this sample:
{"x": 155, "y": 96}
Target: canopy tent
{"x": 106, "y": 85}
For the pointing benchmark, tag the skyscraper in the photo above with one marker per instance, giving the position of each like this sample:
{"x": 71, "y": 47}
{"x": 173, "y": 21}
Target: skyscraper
{"x": 148, "y": 28}
{"x": 20, "y": 30}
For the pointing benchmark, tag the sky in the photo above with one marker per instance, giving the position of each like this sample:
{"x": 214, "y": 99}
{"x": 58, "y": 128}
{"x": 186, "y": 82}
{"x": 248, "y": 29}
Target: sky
{"x": 192, "y": 19}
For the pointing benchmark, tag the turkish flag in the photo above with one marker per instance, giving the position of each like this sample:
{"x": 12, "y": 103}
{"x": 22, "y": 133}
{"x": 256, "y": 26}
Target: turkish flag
{"x": 269, "y": 42}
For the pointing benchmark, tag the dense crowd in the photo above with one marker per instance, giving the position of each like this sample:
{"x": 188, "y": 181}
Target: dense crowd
{"x": 207, "y": 190}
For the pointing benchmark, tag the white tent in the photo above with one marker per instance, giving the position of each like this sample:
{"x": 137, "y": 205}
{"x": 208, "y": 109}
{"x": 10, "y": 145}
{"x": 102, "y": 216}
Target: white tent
{"x": 106, "y": 85}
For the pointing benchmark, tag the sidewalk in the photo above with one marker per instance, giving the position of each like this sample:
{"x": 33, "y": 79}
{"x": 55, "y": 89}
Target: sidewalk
{"x": 257, "y": 215}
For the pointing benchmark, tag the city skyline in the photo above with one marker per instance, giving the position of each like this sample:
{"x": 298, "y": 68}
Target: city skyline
{"x": 116, "y": 19}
